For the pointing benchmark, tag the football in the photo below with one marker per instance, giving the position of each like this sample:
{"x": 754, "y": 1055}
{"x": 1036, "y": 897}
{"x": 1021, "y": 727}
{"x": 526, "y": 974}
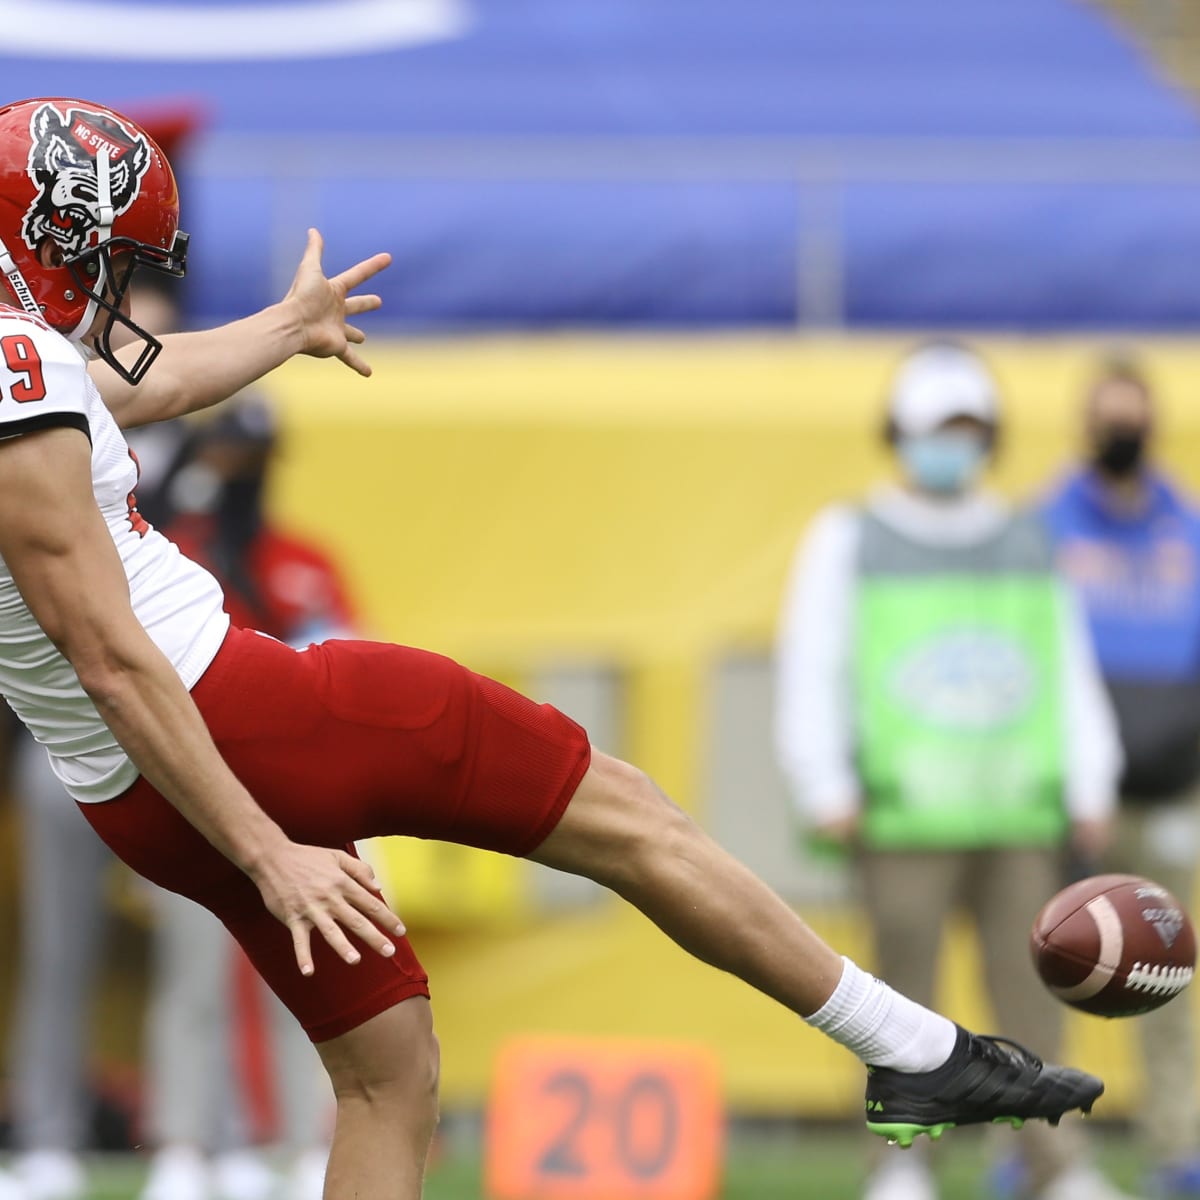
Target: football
{"x": 1114, "y": 945}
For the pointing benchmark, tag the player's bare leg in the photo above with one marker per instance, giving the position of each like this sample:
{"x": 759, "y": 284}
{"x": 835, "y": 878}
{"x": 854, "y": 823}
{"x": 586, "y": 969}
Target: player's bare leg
{"x": 385, "y": 1079}
{"x": 620, "y": 830}
{"x": 623, "y": 832}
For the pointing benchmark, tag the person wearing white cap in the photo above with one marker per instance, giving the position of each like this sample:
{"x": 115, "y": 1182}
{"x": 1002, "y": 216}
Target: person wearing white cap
{"x": 940, "y": 714}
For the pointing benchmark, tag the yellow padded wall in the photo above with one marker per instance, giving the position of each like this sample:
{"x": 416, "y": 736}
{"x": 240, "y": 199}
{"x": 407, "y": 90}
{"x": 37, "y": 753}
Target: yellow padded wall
{"x": 632, "y": 503}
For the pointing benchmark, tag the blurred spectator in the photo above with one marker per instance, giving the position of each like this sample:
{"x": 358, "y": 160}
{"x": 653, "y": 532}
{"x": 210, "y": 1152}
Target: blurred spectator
{"x": 940, "y": 714}
{"x": 1130, "y": 541}
{"x": 288, "y": 588}
{"x": 206, "y": 490}
{"x": 274, "y": 582}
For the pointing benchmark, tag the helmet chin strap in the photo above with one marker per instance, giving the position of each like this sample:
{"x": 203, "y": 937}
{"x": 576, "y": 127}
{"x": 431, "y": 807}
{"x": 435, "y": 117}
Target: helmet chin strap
{"x": 105, "y": 216}
{"x": 16, "y": 282}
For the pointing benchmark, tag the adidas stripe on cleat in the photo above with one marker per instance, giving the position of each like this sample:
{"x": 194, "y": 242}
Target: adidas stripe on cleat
{"x": 985, "y": 1080}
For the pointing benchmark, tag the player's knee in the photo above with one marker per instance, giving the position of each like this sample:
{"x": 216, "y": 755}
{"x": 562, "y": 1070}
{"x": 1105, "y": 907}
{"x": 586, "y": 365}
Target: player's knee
{"x": 656, "y": 814}
{"x": 397, "y": 1061}
{"x": 409, "y": 1080}
{"x": 648, "y": 823}
{"x": 433, "y": 1068}
{"x": 618, "y": 824}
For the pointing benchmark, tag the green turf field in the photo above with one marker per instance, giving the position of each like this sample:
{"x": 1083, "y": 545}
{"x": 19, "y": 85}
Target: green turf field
{"x": 813, "y": 1164}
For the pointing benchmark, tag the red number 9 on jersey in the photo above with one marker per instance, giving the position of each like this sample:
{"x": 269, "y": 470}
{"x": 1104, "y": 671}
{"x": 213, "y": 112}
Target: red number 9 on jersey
{"x": 22, "y": 359}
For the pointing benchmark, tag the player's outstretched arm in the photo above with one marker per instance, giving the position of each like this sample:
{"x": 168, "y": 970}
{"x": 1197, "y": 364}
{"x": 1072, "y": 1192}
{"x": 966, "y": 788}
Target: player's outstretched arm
{"x": 198, "y": 370}
{"x": 62, "y": 557}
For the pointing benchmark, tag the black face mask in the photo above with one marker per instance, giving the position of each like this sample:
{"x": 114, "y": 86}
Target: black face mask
{"x": 1121, "y": 452}
{"x": 239, "y": 512}
{"x": 239, "y": 520}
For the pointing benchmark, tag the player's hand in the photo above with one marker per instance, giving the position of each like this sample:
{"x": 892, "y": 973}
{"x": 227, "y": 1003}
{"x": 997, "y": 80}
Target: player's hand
{"x": 315, "y": 888}
{"x": 321, "y": 305}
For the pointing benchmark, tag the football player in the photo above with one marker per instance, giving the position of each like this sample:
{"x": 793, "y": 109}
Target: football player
{"x": 238, "y": 771}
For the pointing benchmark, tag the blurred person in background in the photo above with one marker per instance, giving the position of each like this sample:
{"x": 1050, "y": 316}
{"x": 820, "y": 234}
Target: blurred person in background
{"x": 939, "y": 713}
{"x": 214, "y": 508}
{"x": 208, "y": 486}
{"x": 1129, "y": 540}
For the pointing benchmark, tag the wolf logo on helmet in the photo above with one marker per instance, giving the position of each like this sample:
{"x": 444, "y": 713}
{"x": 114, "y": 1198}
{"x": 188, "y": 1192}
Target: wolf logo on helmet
{"x": 86, "y": 197}
{"x": 62, "y": 165}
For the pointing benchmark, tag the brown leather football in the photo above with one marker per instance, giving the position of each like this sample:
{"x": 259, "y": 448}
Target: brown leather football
{"x": 1114, "y": 945}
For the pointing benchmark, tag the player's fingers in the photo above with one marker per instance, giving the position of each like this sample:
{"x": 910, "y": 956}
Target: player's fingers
{"x": 361, "y": 872}
{"x": 376, "y": 911}
{"x": 364, "y": 930}
{"x": 354, "y": 334}
{"x": 301, "y": 946}
{"x": 368, "y": 302}
{"x": 351, "y": 277}
{"x": 355, "y": 363}
{"x": 366, "y": 898}
{"x": 313, "y": 249}
{"x": 331, "y": 931}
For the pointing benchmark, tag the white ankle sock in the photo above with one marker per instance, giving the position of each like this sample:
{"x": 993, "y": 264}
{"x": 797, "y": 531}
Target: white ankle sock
{"x": 882, "y": 1027}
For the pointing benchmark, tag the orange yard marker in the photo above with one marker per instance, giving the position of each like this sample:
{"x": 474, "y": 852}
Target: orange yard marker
{"x": 604, "y": 1119}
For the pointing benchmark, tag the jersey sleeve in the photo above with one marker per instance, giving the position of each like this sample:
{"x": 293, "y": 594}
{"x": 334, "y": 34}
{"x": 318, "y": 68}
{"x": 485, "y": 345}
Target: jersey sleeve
{"x": 43, "y": 379}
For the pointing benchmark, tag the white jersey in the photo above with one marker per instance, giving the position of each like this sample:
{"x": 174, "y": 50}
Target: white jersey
{"x": 44, "y": 383}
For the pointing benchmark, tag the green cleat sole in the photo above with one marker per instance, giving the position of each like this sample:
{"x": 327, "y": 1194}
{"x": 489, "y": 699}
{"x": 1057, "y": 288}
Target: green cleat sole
{"x": 1015, "y": 1122}
{"x": 903, "y": 1135}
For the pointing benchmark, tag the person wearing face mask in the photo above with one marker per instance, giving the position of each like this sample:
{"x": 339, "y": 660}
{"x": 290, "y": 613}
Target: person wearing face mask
{"x": 940, "y": 717}
{"x": 1129, "y": 539}
{"x": 212, "y": 505}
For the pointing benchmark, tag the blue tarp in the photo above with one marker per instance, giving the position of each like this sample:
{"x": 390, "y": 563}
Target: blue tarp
{"x": 649, "y": 162}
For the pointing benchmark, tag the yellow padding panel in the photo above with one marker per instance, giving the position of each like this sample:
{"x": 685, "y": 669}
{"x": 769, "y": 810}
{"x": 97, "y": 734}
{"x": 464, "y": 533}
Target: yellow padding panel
{"x": 630, "y": 499}
{"x": 440, "y": 886}
{"x": 632, "y": 503}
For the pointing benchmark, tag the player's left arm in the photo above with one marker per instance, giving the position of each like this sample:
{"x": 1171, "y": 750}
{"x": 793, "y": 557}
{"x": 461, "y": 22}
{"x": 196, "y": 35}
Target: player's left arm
{"x": 55, "y": 542}
{"x": 200, "y": 369}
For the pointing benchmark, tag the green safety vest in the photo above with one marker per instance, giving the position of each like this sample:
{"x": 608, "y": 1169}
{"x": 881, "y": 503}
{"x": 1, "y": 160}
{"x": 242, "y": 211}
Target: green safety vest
{"x": 958, "y": 690}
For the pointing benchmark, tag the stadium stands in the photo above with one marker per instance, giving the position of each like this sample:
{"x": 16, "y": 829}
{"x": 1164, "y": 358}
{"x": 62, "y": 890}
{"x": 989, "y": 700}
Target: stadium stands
{"x": 688, "y": 163}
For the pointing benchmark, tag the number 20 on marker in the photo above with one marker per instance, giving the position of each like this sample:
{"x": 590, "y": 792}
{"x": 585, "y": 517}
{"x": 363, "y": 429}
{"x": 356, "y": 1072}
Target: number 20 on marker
{"x": 599, "y": 1119}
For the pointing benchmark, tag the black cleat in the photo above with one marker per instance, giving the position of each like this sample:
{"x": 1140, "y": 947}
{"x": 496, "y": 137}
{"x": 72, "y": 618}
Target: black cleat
{"x": 984, "y": 1079}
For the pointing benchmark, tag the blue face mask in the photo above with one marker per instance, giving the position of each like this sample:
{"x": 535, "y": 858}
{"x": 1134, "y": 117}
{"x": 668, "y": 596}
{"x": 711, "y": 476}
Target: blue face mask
{"x": 946, "y": 462}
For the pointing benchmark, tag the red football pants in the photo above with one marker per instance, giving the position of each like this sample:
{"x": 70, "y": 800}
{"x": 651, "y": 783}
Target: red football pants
{"x": 342, "y": 741}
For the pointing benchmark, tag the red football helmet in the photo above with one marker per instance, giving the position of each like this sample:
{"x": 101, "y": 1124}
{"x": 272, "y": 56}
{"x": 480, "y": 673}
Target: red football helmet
{"x": 87, "y": 191}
